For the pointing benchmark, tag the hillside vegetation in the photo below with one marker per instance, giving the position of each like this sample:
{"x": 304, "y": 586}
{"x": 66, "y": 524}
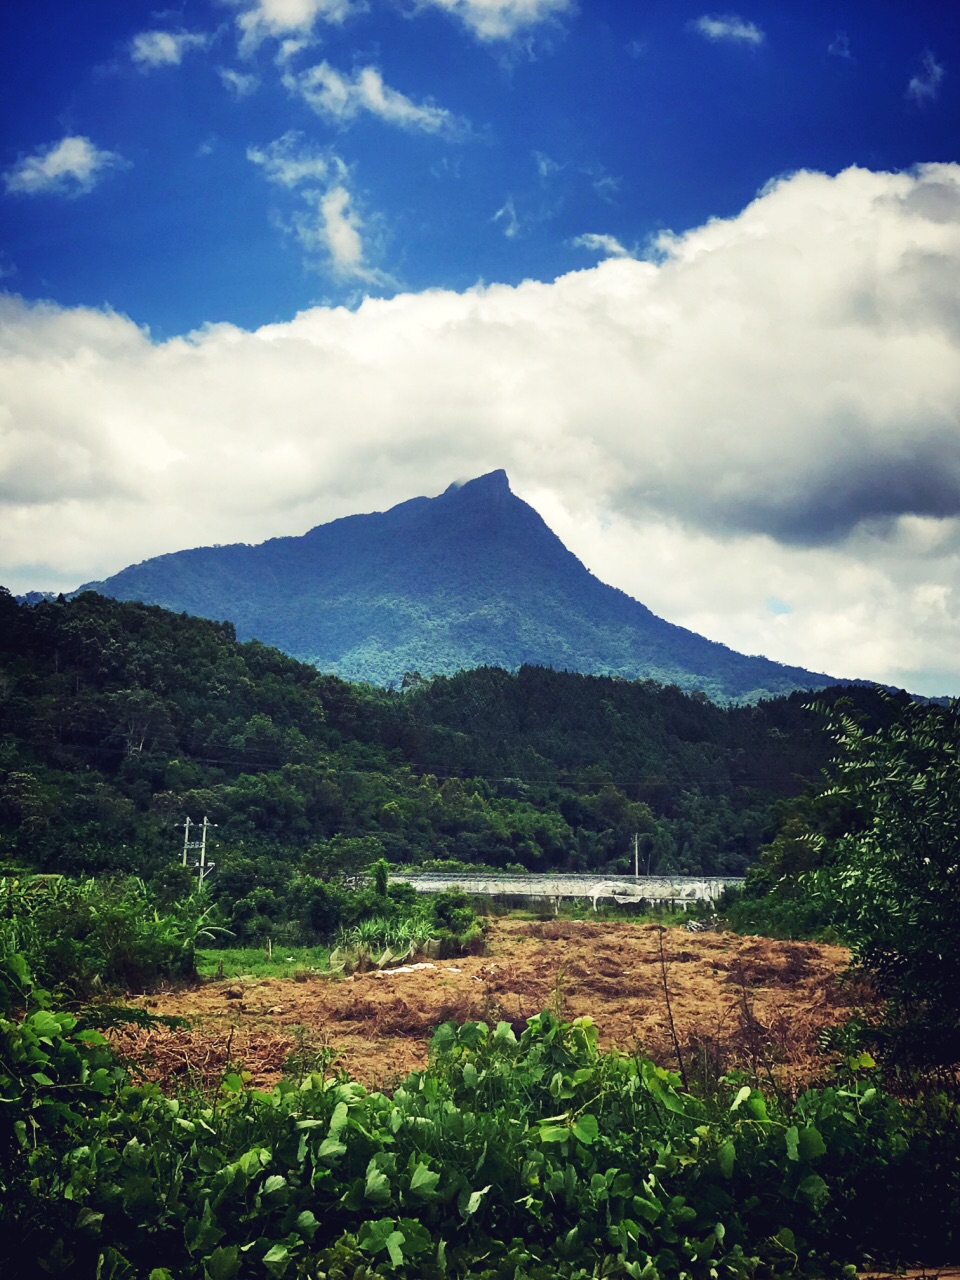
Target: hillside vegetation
{"x": 118, "y": 720}
{"x": 471, "y": 578}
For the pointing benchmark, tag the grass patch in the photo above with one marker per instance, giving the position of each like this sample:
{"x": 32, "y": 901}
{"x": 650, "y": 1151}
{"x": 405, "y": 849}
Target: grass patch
{"x": 582, "y": 909}
{"x": 285, "y": 962}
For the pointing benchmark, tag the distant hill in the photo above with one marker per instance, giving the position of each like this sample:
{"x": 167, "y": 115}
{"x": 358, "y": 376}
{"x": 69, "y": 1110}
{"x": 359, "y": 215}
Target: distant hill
{"x": 471, "y": 578}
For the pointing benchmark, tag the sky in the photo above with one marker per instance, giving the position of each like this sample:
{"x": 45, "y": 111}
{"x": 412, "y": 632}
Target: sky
{"x": 690, "y": 275}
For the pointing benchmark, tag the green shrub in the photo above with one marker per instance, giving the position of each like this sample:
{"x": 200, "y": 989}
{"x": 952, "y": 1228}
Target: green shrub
{"x": 83, "y": 936}
{"x": 534, "y": 1156}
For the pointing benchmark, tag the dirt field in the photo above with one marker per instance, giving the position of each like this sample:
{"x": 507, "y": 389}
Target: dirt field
{"x": 746, "y": 1001}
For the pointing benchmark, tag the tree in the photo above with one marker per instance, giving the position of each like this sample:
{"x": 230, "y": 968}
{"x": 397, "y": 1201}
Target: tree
{"x": 892, "y": 879}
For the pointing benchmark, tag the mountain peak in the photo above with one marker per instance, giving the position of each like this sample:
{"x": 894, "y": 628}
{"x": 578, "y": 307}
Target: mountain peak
{"x": 473, "y": 577}
{"x": 492, "y": 484}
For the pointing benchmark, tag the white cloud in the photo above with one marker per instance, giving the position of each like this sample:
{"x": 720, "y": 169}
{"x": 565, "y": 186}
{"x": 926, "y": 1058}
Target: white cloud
{"x": 768, "y": 409}
{"x": 605, "y": 185}
{"x": 609, "y": 246}
{"x": 342, "y": 98}
{"x": 546, "y": 168}
{"x": 73, "y": 166}
{"x": 289, "y": 163}
{"x": 274, "y": 19}
{"x": 340, "y": 231}
{"x": 491, "y": 20}
{"x": 329, "y": 225}
{"x": 728, "y": 26}
{"x": 240, "y": 83}
{"x": 164, "y": 48}
{"x": 925, "y": 87}
{"x": 507, "y": 214}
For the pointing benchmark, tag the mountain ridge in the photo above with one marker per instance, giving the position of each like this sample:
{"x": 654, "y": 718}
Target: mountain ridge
{"x": 472, "y": 577}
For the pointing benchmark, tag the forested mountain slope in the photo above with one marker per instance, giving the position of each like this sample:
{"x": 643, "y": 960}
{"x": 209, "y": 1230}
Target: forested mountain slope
{"x": 118, "y": 720}
{"x": 471, "y": 578}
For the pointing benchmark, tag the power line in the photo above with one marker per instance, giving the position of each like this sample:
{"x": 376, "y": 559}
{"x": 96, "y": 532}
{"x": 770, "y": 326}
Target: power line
{"x": 566, "y": 778}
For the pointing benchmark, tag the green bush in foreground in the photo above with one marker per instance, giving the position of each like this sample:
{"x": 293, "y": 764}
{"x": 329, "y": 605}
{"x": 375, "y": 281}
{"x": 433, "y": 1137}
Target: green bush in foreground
{"x": 533, "y": 1157}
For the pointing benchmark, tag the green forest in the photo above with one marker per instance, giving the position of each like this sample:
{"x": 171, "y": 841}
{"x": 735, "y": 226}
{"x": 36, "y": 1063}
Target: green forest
{"x": 118, "y": 721}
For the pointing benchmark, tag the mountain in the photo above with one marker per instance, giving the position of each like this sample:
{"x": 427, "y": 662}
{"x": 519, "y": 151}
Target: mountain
{"x": 471, "y": 578}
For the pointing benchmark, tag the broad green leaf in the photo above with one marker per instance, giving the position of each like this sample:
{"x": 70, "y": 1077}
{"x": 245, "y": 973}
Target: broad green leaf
{"x": 424, "y": 1182}
{"x": 792, "y": 1139}
{"x": 416, "y": 1238}
{"x": 339, "y": 1118}
{"x": 394, "y": 1242}
{"x": 742, "y": 1095}
{"x": 223, "y": 1263}
{"x": 648, "y": 1209}
{"x": 330, "y": 1149}
{"x": 756, "y": 1105}
{"x": 726, "y": 1154}
{"x": 377, "y": 1185}
{"x": 814, "y": 1190}
{"x": 469, "y": 1205}
{"x": 785, "y": 1238}
{"x": 276, "y": 1259}
{"x": 374, "y": 1234}
{"x": 307, "y": 1224}
{"x": 811, "y": 1144}
{"x": 586, "y": 1129}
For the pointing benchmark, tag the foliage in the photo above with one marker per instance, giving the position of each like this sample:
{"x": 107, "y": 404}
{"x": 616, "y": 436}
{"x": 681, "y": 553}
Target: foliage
{"x": 535, "y": 1156}
{"x": 776, "y": 915}
{"x": 471, "y": 578}
{"x": 120, "y": 720}
{"x": 83, "y": 936}
{"x": 892, "y": 879}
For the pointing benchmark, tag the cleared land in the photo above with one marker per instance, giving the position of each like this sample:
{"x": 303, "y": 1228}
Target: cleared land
{"x": 734, "y": 1001}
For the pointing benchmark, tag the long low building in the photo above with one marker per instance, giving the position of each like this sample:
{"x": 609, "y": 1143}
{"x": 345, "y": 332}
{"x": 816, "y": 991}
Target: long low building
{"x": 675, "y": 890}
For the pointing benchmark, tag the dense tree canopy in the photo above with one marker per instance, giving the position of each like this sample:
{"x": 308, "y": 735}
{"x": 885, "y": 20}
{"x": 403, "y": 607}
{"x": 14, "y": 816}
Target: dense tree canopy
{"x": 119, "y": 720}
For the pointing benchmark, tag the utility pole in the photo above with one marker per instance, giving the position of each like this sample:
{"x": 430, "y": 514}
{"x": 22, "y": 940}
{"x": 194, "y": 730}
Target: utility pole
{"x": 187, "y": 842}
{"x": 203, "y": 867}
{"x": 636, "y": 855}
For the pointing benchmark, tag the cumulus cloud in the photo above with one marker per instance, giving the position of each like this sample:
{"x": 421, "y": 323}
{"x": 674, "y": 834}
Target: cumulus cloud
{"x": 492, "y": 20}
{"x": 71, "y": 167}
{"x": 276, "y": 19}
{"x": 925, "y": 86}
{"x": 768, "y": 407}
{"x": 728, "y": 26}
{"x": 342, "y": 98}
{"x": 152, "y": 49}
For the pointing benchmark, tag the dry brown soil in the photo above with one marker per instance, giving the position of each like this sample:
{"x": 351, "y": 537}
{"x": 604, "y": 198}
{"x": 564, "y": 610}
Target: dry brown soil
{"x": 734, "y": 1001}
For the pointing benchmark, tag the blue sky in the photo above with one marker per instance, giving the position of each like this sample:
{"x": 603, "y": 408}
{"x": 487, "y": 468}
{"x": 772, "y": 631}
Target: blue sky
{"x": 513, "y": 139}
{"x": 689, "y": 274}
